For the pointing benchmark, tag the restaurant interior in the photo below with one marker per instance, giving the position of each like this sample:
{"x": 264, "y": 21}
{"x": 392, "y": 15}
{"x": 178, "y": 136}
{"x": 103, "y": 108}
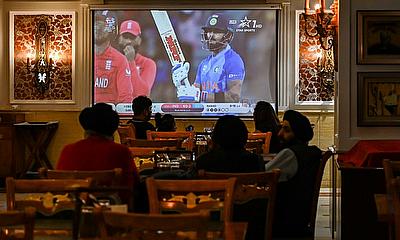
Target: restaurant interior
{"x": 336, "y": 62}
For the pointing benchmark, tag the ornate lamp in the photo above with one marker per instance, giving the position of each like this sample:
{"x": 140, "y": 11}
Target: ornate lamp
{"x": 322, "y": 24}
{"x": 42, "y": 66}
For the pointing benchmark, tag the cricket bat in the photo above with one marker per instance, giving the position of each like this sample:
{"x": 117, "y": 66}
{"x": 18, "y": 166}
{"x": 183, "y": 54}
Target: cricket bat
{"x": 185, "y": 91}
{"x": 168, "y": 37}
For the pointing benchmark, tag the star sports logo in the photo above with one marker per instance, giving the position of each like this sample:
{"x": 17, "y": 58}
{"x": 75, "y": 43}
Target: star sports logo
{"x": 248, "y": 25}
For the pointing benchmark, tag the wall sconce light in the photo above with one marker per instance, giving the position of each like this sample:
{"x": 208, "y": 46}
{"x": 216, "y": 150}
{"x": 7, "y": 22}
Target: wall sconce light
{"x": 42, "y": 65}
{"x": 326, "y": 69}
{"x": 323, "y": 25}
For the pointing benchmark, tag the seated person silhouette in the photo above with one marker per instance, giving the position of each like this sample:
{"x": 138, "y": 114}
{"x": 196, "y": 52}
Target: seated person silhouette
{"x": 98, "y": 151}
{"x": 266, "y": 120}
{"x": 141, "y": 107}
{"x": 228, "y": 153}
{"x": 165, "y": 123}
{"x": 298, "y": 163}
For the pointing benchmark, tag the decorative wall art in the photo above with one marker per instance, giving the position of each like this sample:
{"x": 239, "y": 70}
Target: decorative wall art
{"x": 42, "y": 56}
{"x": 314, "y": 68}
{"x": 378, "y": 37}
{"x": 378, "y": 99}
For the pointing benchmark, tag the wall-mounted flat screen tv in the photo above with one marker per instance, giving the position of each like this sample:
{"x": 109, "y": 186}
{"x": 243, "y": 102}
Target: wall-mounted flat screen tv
{"x": 190, "y": 62}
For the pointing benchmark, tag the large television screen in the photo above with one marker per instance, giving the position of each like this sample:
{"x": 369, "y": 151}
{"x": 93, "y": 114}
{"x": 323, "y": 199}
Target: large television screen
{"x": 190, "y": 62}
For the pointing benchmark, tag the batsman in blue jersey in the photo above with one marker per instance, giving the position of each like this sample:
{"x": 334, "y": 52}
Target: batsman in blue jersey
{"x": 219, "y": 76}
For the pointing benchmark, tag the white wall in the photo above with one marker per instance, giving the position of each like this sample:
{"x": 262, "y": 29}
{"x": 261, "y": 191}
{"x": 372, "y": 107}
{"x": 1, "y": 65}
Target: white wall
{"x": 347, "y": 132}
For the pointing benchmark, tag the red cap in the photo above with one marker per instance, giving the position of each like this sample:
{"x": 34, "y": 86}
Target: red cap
{"x": 131, "y": 27}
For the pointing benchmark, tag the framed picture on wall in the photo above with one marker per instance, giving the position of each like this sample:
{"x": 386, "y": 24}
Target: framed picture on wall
{"x": 42, "y": 53}
{"x": 378, "y": 96}
{"x": 378, "y": 37}
{"x": 313, "y": 88}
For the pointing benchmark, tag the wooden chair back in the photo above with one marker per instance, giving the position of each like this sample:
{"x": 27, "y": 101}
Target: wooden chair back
{"x": 249, "y": 187}
{"x": 392, "y": 170}
{"x": 317, "y": 186}
{"x": 126, "y": 132}
{"x": 169, "y": 160}
{"x": 144, "y": 156}
{"x": 114, "y": 225}
{"x": 187, "y": 137}
{"x": 266, "y": 137}
{"x": 255, "y": 146}
{"x": 173, "y": 144}
{"x": 100, "y": 178}
{"x": 110, "y": 177}
{"x": 395, "y": 189}
{"x": 48, "y": 196}
{"x": 15, "y": 218}
{"x": 185, "y": 196}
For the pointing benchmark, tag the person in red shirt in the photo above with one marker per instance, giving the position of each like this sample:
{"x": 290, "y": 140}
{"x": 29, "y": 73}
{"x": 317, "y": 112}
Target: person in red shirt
{"x": 143, "y": 69}
{"x": 111, "y": 69}
{"x": 98, "y": 151}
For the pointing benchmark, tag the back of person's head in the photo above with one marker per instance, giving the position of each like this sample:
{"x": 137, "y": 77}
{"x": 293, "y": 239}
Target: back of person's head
{"x": 157, "y": 118}
{"x": 300, "y": 125}
{"x": 141, "y": 103}
{"x": 100, "y": 119}
{"x": 265, "y": 118}
{"x": 165, "y": 123}
{"x": 230, "y": 132}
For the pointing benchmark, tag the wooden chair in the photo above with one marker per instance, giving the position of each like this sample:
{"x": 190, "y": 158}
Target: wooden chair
{"x": 100, "y": 178}
{"x": 249, "y": 190}
{"x": 266, "y": 137}
{"x": 186, "y": 196}
{"x": 110, "y": 177}
{"x": 144, "y": 157}
{"x": 392, "y": 170}
{"x": 48, "y": 196}
{"x": 126, "y": 132}
{"x": 395, "y": 189}
{"x": 114, "y": 225}
{"x": 317, "y": 187}
{"x": 16, "y": 218}
{"x": 314, "y": 204}
{"x": 187, "y": 137}
{"x": 173, "y": 144}
{"x": 255, "y": 146}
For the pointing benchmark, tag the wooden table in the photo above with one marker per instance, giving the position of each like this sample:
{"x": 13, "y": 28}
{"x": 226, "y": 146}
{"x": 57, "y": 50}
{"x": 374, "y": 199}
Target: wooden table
{"x": 37, "y": 137}
{"x": 358, "y": 216}
{"x": 232, "y": 231}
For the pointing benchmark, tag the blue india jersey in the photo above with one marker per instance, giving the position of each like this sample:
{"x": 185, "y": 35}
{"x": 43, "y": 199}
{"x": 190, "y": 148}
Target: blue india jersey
{"x": 214, "y": 72}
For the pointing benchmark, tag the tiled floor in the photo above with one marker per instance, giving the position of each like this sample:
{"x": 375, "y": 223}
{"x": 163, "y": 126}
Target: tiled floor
{"x": 322, "y": 226}
{"x": 322, "y": 232}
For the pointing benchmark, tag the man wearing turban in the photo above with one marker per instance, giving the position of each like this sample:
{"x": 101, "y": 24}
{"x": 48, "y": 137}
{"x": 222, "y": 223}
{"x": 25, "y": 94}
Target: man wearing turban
{"x": 299, "y": 164}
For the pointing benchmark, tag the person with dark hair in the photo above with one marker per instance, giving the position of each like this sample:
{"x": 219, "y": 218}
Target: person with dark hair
{"x": 143, "y": 69}
{"x": 220, "y": 75}
{"x": 298, "y": 163}
{"x": 98, "y": 151}
{"x": 141, "y": 107}
{"x": 165, "y": 123}
{"x": 266, "y": 120}
{"x": 228, "y": 153}
{"x": 112, "y": 73}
